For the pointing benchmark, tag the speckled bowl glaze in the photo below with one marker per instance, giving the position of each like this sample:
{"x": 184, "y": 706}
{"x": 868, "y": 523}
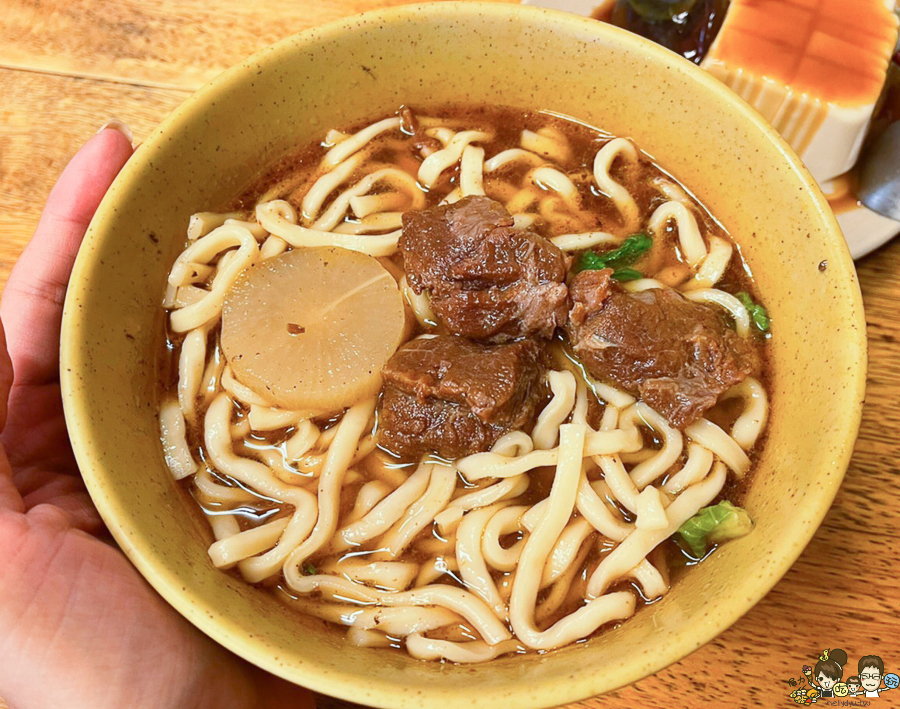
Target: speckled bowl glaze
{"x": 208, "y": 150}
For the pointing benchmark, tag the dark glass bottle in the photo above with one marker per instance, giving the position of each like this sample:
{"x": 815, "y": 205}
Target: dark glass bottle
{"x": 687, "y": 27}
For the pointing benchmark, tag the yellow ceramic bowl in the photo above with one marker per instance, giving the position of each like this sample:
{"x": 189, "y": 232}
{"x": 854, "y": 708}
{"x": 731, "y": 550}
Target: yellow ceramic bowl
{"x": 363, "y": 67}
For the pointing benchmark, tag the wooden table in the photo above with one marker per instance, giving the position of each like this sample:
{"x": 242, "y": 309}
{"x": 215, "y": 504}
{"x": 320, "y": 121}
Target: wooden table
{"x": 68, "y": 67}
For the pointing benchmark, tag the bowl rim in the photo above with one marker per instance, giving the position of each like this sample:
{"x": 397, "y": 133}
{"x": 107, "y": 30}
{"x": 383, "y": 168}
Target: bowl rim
{"x": 215, "y": 623}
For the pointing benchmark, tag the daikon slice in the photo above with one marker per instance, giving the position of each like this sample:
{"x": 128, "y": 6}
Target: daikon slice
{"x": 310, "y": 329}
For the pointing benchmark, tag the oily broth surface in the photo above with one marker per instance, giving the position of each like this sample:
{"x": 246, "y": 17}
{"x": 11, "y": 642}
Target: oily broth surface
{"x": 291, "y": 178}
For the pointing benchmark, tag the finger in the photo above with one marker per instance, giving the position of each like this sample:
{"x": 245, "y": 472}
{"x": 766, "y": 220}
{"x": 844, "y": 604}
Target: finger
{"x": 10, "y": 499}
{"x": 32, "y": 301}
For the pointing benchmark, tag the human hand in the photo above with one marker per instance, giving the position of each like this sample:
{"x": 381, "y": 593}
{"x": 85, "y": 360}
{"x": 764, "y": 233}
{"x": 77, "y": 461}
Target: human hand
{"x": 79, "y": 627}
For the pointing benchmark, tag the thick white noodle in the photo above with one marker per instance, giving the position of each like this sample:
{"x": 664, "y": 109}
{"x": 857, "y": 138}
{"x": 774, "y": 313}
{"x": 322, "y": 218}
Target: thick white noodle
{"x": 419, "y": 302}
{"x": 260, "y": 478}
{"x": 566, "y": 550}
{"x": 604, "y": 392}
{"x": 423, "y": 648}
{"x": 272, "y": 247}
{"x": 174, "y": 439}
{"x": 642, "y": 284}
{"x": 592, "y": 507}
{"x": 358, "y": 140}
{"x": 466, "y": 604}
{"x": 226, "y": 552}
{"x": 726, "y": 449}
{"x": 387, "y": 575}
{"x": 749, "y": 425}
{"x": 561, "y": 589}
{"x": 432, "y": 166}
{"x": 491, "y": 465}
{"x": 652, "y": 583}
{"x": 254, "y": 227}
{"x": 696, "y": 468}
{"x": 651, "y": 510}
{"x": 472, "y": 566}
{"x": 372, "y": 205}
{"x": 587, "y": 240}
{"x": 201, "y": 223}
{"x": 635, "y": 548}
{"x": 340, "y": 454}
{"x": 714, "y": 265}
{"x": 724, "y": 300}
{"x": 227, "y": 496}
{"x": 547, "y": 143}
{"x": 224, "y": 526}
{"x": 337, "y": 210}
{"x": 471, "y": 171}
{"x": 522, "y": 200}
{"x": 422, "y": 512}
{"x": 178, "y": 297}
{"x": 523, "y": 221}
{"x": 369, "y": 495}
{"x": 279, "y": 218}
{"x": 207, "y": 310}
{"x": 325, "y": 185}
{"x": 536, "y": 552}
{"x": 306, "y": 435}
{"x": 266, "y": 418}
{"x": 404, "y": 620}
{"x": 620, "y": 483}
{"x": 333, "y": 137}
{"x": 386, "y": 512}
{"x": 381, "y": 222}
{"x": 546, "y": 430}
{"x": 666, "y": 457}
{"x": 367, "y": 638}
{"x": 507, "y": 520}
{"x": 672, "y": 191}
{"x": 505, "y": 489}
{"x": 689, "y": 238}
{"x": 513, "y": 443}
{"x": 621, "y": 197}
{"x": 549, "y": 178}
{"x": 238, "y": 391}
{"x": 511, "y": 155}
{"x": 433, "y": 569}
{"x": 442, "y": 134}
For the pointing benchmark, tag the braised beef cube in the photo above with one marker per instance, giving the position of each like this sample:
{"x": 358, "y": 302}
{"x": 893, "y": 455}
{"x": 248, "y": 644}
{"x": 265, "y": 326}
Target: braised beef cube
{"x": 588, "y": 292}
{"x": 487, "y": 280}
{"x": 454, "y": 397}
{"x": 677, "y": 355}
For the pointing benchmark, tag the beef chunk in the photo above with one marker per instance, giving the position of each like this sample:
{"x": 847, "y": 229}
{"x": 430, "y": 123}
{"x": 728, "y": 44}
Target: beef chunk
{"x": 679, "y": 356}
{"x": 454, "y": 397}
{"x": 487, "y": 280}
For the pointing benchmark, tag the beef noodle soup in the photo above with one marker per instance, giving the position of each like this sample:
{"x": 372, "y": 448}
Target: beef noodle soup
{"x": 459, "y": 381}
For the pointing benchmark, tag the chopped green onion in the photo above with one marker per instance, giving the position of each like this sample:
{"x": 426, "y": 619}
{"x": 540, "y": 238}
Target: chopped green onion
{"x": 714, "y": 524}
{"x": 757, "y": 312}
{"x": 627, "y": 274}
{"x": 625, "y": 255}
{"x": 309, "y": 569}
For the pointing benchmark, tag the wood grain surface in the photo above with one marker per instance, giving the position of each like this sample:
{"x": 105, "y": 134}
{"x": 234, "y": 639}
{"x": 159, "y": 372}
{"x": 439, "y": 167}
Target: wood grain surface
{"x": 68, "y": 67}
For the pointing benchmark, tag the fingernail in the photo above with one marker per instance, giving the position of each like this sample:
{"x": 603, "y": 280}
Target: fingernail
{"x": 116, "y": 124}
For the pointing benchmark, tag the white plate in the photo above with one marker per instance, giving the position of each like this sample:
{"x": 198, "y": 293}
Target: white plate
{"x": 863, "y": 229}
